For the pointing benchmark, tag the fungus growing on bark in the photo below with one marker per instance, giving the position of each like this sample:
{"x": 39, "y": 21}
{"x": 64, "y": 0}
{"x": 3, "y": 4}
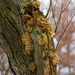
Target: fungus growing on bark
{"x": 28, "y": 43}
{"x": 44, "y": 30}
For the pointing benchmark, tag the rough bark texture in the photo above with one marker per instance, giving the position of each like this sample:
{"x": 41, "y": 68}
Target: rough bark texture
{"x": 27, "y": 55}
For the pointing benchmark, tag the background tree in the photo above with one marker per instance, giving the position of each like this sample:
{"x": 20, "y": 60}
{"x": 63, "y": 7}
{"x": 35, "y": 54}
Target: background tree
{"x": 63, "y": 21}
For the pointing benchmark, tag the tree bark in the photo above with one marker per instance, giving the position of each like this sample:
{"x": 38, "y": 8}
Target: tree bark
{"x": 42, "y": 60}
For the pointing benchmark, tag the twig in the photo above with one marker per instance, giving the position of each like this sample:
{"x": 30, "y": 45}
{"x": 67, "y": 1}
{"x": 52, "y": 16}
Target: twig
{"x": 66, "y": 6}
{"x": 59, "y": 19}
{"x": 67, "y": 26}
{"x": 49, "y": 8}
{"x": 57, "y": 25}
{"x": 67, "y": 36}
{"x": 65, "y": 30}
{"x": 53, "y": 16}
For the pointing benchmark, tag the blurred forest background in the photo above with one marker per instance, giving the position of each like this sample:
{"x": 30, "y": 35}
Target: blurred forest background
{"x": 61, "y": 13}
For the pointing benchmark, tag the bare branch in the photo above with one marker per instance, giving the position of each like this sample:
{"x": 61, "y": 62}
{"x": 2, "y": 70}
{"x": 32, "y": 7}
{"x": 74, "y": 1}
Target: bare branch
{"x": 67, "y": 36}
{"x": 57, "y": 24}
{"x": 67, "y": 26}
{"x": 59, "y": 19}
{"x": 65, "y": 30}
{"x": 53, "y": 16}
{"x": 49, "y": 8}
{"x": 66, "y": 6}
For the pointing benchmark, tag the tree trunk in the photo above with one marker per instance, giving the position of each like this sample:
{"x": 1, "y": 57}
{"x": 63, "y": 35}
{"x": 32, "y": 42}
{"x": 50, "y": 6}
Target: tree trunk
{"x": 27, "y": 41}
